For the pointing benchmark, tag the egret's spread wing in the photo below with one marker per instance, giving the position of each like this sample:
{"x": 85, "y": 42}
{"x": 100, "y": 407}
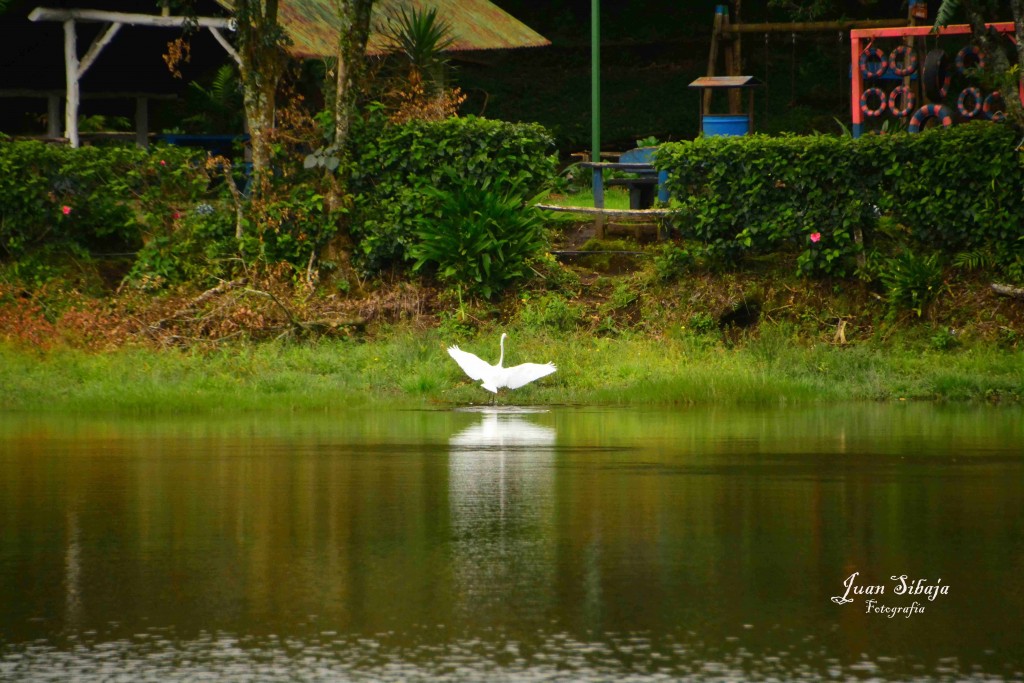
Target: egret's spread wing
{"x": 472, "y": 365}
{"x": 519, "y": 375}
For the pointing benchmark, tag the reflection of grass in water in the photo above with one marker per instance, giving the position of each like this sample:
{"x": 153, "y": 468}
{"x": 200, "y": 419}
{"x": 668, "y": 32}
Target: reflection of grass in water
{"x": 413, "y": 369}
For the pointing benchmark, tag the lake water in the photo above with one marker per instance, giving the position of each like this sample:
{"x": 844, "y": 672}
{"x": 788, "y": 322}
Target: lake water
{"x": 515, "y": 544}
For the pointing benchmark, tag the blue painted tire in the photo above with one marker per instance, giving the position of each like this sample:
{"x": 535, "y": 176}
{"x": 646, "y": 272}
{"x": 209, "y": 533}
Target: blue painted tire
{"x": 989, "y": 109}
{"x": 907, "y": 56}
{"x": 868, "y": 109}
{"x": 873, "y": 54}
{"x": 909, "y": 100}
{"x": 961, "y": 102}
{"x": 930, "y": 111}
{"x": 961, "y": 59}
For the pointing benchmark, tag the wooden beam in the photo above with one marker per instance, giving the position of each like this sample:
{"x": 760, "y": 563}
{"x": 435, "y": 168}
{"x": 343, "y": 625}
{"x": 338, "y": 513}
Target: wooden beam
{"x": 737, "y": 61}
{"x": 97, "y": 46}
{"x": 225, "y": 44}
{"x": 116, "y": 95}
{"x": 53, "y": 14}
{"x": 917, "y": 31}
{"x": 608, "y": 213}
{"x": 716, "y": 33}
{"x": 812, "y": 26}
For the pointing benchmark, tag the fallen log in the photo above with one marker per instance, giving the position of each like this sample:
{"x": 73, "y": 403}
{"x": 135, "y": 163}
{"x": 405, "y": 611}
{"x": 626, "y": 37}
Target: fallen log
{"x": 1007, "y": 290}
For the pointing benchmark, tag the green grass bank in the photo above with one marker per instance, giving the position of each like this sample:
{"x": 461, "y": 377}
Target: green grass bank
{"x": 411, "y": 369}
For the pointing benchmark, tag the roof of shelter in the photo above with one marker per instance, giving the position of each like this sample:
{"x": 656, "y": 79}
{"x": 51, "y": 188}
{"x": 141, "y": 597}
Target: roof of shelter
{"x": 727, "y": 82}
{"x": 312, "y": 25}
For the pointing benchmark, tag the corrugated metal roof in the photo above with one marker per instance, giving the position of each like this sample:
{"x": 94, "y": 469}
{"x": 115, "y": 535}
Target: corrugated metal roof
{"x": 476, "y": 25}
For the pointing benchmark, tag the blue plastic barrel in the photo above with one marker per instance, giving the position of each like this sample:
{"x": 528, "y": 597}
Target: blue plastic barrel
{"x": 726, "y": 125}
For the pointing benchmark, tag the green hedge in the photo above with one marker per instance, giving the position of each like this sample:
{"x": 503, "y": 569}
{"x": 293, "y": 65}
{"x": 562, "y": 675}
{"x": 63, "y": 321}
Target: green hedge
{"x": 166, "y": 206}
{"x": 94, "y": 198}
{"x": 951, "y": 189}
{"x": 397, "y": 168}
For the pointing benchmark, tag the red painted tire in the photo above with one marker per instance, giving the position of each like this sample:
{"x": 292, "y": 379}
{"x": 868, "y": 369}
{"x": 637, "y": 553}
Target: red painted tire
{"x": 903, "y": 54}
{"x": 930, "y": 111}
{"x": 961, "y": 102}
{"x": 866, "y": 108}
{"x": 873, "y": 54}
{"x": 908, "y": 101}
{"x": 961, "y": 59}
{"x": 989, "y": 109}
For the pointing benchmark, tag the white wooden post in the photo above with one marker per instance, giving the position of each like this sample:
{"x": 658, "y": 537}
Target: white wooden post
{"x": 74, "y": 69}
{"x": 52, "y": 115}
{"x": 71, "y": 82}
{"x": 142, "y": 121}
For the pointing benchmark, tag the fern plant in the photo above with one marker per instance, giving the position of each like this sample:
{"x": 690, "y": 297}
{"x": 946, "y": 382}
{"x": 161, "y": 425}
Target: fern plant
{"x": 218, "y": 107}
{"x": 912, "y": 282}
{"x": 947, "y": 9}
{"x": 479, "y": 240}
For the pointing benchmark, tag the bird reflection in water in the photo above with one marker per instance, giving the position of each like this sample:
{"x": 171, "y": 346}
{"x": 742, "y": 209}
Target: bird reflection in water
{"x": 501, "y": 486}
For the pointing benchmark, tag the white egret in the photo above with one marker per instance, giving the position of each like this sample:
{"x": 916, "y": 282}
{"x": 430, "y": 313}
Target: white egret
{"x": 495, "y": 376}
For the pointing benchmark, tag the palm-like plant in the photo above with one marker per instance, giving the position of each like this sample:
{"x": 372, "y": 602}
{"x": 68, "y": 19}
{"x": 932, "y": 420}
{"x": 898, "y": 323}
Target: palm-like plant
{"x": 421, "y": 39}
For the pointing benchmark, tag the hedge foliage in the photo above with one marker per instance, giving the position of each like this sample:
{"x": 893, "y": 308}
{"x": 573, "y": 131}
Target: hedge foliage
{"x": 93, "y": 198}
{"x": 399, "y": 169}
{"x": 170, "y": 207}
{"x": 951, "y": 189}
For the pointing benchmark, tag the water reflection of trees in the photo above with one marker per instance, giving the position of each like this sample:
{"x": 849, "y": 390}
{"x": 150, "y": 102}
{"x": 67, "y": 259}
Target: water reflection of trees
{"x": 687, "y": 519}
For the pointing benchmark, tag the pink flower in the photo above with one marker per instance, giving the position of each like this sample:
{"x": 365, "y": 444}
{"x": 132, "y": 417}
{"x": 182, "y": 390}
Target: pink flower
{"x": 163, "y": 163}
{"x": 66, "y": 210}
{"x": 177, "y": 215}
{"x": 815, "y": 236}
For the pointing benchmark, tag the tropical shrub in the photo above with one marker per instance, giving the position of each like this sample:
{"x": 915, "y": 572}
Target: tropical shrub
{"x": 193, "y": 247}
{"x": 395, "y": 168}
{"x": 478, "y": 239}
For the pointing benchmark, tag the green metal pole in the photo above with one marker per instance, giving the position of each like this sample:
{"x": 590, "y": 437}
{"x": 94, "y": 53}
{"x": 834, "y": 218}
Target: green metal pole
{"x": 595, "y": 98}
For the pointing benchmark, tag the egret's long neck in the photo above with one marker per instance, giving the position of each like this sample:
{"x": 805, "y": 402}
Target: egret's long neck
{"x": 501, "y": 358}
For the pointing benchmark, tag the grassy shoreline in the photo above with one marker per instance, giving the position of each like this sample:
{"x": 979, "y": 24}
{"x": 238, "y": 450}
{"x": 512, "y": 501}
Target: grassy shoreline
{"x": 411, "y": 369}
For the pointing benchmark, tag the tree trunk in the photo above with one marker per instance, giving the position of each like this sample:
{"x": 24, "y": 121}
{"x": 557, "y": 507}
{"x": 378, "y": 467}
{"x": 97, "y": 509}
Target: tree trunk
{"x": 354, "y": 17}
{"x": 261, "y": 43}
{"x": 350, "y": 60}
{"x": 260, "y": 102}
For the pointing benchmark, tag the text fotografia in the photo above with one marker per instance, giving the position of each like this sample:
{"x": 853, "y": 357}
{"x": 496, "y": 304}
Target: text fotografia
{"x": 902, "y": 585}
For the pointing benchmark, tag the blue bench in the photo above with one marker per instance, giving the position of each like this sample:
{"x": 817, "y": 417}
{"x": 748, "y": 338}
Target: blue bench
{"x": 642, "y": 186}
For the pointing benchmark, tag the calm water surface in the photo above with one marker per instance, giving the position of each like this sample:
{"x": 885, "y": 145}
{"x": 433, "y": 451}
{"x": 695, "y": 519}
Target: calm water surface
{"x": 511, "y": 544}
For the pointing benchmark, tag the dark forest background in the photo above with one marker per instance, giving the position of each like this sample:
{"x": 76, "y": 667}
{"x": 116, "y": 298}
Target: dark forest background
{"x": 651, "y": 51}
